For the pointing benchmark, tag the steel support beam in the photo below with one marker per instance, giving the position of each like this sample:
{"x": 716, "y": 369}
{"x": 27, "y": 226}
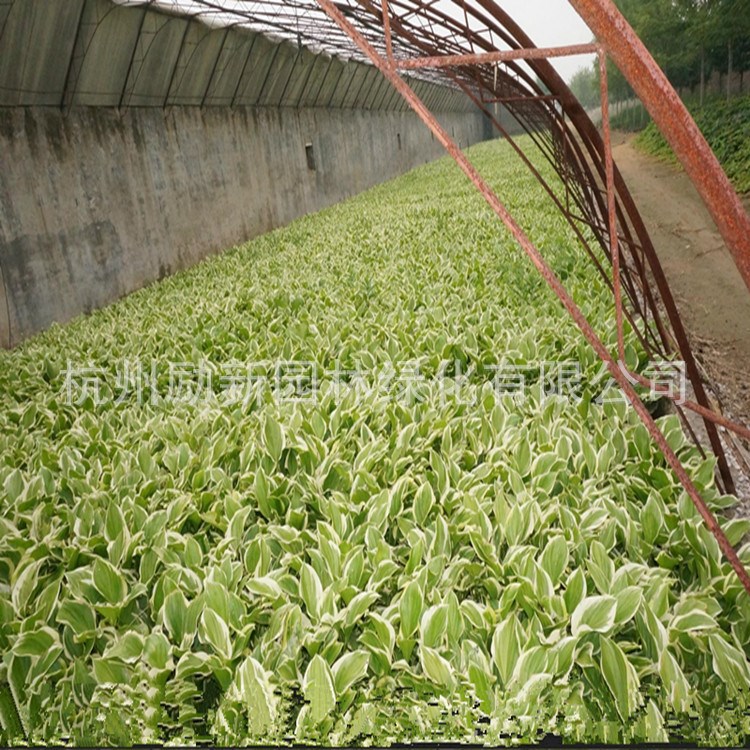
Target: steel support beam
{"x": 482, "y": 58}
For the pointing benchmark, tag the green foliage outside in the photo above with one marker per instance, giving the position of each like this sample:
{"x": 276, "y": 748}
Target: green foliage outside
{"x": 687, "y": 35}
{"x": 726, "y": 126}
{"x": 585, "y": 86}
{"x": 690, "y": 39}
{"x": 361, "y": 569}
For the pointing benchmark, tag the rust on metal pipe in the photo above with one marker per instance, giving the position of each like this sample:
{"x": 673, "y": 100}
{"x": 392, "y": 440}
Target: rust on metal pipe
{"x": 708, "y": 414}
{"x": 673, "y": 119}
{"x": 589, "y": 135}
{"x": 552, "y": 280}
{"x": 617, "y": 281}
{"x": 516, "y": 99}
{"x": 480, "y": 58}
{"x": 592, "y": 140}
{"x": 609, "y": 168}
{"x": 387, "y": 30}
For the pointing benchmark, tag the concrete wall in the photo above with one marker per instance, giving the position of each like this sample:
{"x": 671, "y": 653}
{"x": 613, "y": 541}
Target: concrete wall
{"x": 95, "y": 204}
{"x": 134, "y": 143}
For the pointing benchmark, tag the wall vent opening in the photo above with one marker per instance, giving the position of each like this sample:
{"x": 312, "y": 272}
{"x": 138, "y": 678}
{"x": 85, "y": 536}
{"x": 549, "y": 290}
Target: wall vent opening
{"x": 310, "y": 154}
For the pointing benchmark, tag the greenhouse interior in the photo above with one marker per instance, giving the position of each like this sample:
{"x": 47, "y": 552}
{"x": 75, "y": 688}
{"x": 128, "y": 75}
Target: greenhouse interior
{"x": 375, "y": 373}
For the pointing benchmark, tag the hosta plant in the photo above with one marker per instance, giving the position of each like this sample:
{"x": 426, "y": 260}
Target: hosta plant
{"x": 357, "y": 567}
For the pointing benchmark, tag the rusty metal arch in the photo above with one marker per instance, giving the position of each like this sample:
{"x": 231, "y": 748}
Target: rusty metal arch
{"x": 547, "y": 113}
{"x": 475, "y": 46}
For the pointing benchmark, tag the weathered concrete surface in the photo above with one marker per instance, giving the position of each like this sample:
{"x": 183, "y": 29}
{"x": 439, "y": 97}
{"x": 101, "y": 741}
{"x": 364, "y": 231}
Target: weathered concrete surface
{"x": 4, "y": 321}
{"x": 96, "y": 204}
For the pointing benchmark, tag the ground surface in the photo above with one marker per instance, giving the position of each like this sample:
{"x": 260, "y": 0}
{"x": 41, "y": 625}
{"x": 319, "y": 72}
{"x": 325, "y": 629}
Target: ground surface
{"x": 711, "y": 296}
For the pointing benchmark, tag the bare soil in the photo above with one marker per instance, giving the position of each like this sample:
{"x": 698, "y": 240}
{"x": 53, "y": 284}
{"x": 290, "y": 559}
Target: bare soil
{"x": 711, "y": 296}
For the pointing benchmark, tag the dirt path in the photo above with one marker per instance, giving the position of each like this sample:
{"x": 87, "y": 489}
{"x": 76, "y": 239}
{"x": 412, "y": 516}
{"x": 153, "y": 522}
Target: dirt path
{"x": 711, "y": 296}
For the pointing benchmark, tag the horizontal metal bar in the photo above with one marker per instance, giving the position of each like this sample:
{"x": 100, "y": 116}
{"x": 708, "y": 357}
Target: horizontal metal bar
{"x": 524, "y": 53}
{"x": 511, "y": 99}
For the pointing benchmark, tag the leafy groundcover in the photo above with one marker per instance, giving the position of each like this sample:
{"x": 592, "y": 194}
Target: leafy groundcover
{"x": 726, "y": 126}
{"x": 346, "y": 565}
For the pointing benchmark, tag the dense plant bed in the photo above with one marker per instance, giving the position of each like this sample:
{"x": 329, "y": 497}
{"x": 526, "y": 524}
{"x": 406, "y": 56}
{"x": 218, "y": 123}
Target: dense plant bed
{"x": 726, "y": 126}
{"x": 359, "y": 565}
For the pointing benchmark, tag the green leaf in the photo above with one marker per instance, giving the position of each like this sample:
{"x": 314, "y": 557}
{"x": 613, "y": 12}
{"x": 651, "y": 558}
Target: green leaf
{"x": 600, "y": 566}
{"x": 385, "y": 636}
{"x": 456, "y": 625}
{"x": 175, "y": 613}
{"x": 359, "y": 605}
{"x": 318, "y": 688}
{"x": 36, "y": 643}
{"x": 620, "y": 677}
{"x": 564, "y": 657}
{"x": 79, "y": 617}
{"x": 25, "y": 585}
{"x": 349, "y": 669}
{"x": 692, "y": 621}
{"x": 261, "y": 488}
{"x": 655, "y": 731}
{"x": 481, "y": 682}
{"x": 252, "y": 686}
{"x": 523, "y": 458}
{"x": 215, "y": 632}
{"x": 433, "y": 625}
{"x": 628, "y": 603}
{"x": 533, "y": 661}
{"x": 10, "y": 719}
{"x": 146, "y": 461}
{"x": 265, "y": 587}
{"x": 554, "y": 559}
{"x": 730, "y": 664}
{"x": 109, "y": 582}
{"x": 410, "y": 609}
{"x": 14, "y": 486}
{"x": 575, "y": 589}
{"x": 736, "y": 530}
{"x": 273, "y": 435}
{"x": 128, "y": 648}
{"x": 111, "y": 671}
{"x": 423, "y": 503}
{"x": 311, "y": 591}
{"x": 652, "y": 520}
{"x": 518, "y": 524}
{"x": 594, "y": 614}
{"x": 115, "y": 523}
{"x": 156, "y": 651}
{"x": 674, "y": 682}
{"x": 506, "y": 647}
{"x": 437, "y": 669}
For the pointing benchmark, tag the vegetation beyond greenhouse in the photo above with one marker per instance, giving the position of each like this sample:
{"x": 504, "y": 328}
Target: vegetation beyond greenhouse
{"x": 690, "y": 40}
{"x": 726, "y": 126}
{"x": 348, "y": 565}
